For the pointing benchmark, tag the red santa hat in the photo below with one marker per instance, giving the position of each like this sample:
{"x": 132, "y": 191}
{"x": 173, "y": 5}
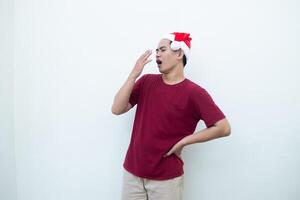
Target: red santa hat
{"x": 180, "y": 40}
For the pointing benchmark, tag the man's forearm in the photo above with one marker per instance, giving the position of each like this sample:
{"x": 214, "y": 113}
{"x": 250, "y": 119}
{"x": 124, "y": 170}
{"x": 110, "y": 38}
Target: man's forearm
{"x": 220, "y": 129}
{"x": 122, "y": 97}
{"x": 204, "y": 135}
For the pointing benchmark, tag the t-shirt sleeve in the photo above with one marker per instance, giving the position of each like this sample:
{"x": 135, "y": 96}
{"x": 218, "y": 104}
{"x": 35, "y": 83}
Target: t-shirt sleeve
{"x": 136, "y": 91}
{"x": 205, "y": 107}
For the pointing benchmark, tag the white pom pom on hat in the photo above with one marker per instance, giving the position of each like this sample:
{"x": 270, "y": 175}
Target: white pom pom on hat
{"x": 180, "y": 40}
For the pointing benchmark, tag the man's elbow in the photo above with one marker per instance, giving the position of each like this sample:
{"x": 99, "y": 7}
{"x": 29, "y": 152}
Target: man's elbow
{"x": 224, "y": 128}
{"x": 227, "y": 130}
{"x": 115, "y": 111}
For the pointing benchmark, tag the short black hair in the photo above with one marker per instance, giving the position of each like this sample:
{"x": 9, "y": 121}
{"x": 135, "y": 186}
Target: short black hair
{"x": 184, "y": 57}
{"x": 184, "y": 60}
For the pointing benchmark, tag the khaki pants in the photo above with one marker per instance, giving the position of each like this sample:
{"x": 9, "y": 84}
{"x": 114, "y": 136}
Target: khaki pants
{"x": 136, "y": 188}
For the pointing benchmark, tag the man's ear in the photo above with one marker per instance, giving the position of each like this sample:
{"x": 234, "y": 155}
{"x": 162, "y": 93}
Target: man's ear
{"x": 180, "y": 54}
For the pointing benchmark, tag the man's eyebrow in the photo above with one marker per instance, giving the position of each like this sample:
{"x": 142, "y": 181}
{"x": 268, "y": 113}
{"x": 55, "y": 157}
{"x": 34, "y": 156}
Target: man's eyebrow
{"x": 161, "y": 47}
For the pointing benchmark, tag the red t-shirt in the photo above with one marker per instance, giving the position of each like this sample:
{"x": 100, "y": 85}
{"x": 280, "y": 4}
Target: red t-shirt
{"x": 165, "y": 114}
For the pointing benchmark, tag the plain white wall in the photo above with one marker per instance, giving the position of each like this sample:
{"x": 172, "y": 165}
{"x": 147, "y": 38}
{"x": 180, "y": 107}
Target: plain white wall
{"x": 8, "y": 187}
{"x": 71, "y": 57}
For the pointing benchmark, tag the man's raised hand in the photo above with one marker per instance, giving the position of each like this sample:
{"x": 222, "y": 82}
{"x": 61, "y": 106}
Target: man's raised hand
{"x": 140, "y": 63}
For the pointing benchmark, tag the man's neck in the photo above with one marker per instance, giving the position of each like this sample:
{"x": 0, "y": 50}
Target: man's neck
{"x": 174, "y": 76}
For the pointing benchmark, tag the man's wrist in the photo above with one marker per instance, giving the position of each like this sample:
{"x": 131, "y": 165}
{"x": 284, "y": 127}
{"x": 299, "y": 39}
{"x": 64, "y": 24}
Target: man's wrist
{"x": 131, "y": 78}
{"x": 183, "y": 142}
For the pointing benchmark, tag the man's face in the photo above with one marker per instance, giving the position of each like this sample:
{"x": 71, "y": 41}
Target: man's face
{"x": 166, "y": 58}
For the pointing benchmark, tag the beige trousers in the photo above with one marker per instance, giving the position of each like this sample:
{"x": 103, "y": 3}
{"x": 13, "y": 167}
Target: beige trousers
{"x": 136, "y": 188}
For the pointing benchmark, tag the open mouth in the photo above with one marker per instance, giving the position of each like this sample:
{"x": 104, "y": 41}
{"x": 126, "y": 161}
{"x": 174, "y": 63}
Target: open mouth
{"x": 158, "y": 62}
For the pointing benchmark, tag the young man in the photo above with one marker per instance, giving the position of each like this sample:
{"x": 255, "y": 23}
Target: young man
{"x": 169, "y": 106}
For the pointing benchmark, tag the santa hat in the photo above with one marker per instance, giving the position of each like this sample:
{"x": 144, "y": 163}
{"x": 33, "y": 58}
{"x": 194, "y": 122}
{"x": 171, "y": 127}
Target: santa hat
{"x": 180, "y": 40}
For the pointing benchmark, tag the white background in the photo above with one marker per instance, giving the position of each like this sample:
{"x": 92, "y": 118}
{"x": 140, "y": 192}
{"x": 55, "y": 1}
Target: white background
{"x": 63, "y": 61}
